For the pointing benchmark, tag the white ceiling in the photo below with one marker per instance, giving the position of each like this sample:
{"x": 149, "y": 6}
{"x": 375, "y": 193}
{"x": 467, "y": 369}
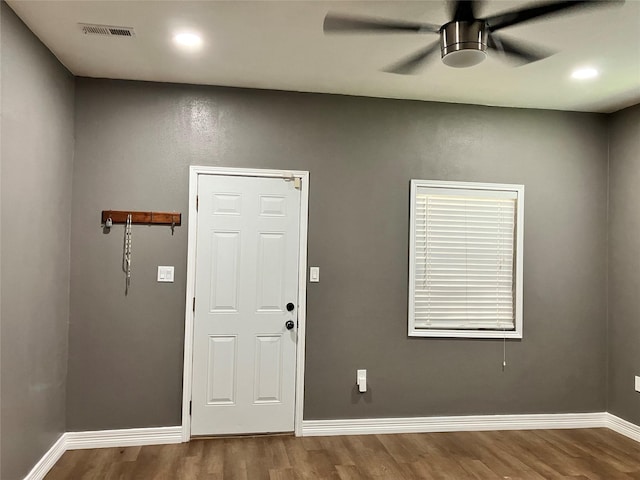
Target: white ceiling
{"x": 280, "y": 45}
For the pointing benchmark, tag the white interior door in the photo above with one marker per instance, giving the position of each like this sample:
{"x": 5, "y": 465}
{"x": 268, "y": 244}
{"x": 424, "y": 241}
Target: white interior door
{"x": 244, "y": 348}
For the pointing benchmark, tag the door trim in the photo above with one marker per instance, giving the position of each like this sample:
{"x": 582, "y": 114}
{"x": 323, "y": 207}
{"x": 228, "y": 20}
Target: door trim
{"x": 194, "y": 171}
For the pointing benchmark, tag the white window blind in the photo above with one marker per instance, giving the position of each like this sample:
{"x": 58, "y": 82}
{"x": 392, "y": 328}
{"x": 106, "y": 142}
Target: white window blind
{"x": 464, "y": 253}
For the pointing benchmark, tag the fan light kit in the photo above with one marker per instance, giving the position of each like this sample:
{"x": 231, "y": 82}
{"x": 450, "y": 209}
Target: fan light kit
{"x": 465, "y": 40}
{"x": 584, "y": 73}
{"x": 463, "y": 44}
{"x": 189, "y": 40}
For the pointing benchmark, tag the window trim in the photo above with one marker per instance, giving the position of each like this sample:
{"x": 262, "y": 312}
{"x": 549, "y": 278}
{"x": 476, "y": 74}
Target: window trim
{"x": 518, "y": 276}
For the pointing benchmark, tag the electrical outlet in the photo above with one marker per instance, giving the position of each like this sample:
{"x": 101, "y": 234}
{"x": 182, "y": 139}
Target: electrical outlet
{"x": 637, "y": 383}
{"x": 361, "y": 380}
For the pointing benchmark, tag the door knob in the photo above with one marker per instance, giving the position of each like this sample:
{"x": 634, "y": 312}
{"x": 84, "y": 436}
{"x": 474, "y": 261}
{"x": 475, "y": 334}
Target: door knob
{"x": 289, "y": 324}
{"x": 290, "y": 307}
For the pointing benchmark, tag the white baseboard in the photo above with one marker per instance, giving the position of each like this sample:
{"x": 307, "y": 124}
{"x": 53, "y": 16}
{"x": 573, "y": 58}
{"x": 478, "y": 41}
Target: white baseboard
{"x": 462, "y": 423}
{"x": 48, "y": 460}
{"x": 166, "y": 435}
{"x": 131, "y": 437}
{"x": 623, "y": 427}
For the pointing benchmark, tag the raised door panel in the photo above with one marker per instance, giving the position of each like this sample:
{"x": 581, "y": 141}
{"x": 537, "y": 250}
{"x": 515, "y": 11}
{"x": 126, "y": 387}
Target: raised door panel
{"x": 222, "y": 359}
{"x": 225, "y": 275}
{"x": 268, "y": 369}
{"x": 270, "y": 272}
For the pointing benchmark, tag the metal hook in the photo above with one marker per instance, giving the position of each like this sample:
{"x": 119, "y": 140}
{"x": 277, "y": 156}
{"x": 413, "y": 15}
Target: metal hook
{"x": 173, "y": 224}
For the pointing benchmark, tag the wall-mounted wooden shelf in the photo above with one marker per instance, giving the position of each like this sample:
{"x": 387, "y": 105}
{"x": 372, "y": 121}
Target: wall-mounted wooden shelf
{"x": 143, "y": 218}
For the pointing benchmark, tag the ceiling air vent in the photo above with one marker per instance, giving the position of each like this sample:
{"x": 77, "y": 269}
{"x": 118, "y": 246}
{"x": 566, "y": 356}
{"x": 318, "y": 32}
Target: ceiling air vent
{"x": 107, "y": 30}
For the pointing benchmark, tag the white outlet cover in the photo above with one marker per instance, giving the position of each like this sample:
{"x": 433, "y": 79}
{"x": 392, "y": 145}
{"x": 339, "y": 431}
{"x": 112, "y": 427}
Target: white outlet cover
{"x": 165, "y": 273}
{"x": 361, "y": 380}
{"x": 637, "y": 383}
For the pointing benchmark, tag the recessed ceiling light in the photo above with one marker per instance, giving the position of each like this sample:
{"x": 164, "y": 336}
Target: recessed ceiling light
{"x": 584, "y": 73}
{"x": 189, "y": 40}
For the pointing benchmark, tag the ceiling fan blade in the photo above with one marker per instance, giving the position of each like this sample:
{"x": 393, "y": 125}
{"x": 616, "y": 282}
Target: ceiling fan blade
{"x": 506, "y": 19}
{"x": 412, "y": 63}
{"x": 334, "y": 23}
{"x": 518, "y": 50}
{"x": 464, "y": 10}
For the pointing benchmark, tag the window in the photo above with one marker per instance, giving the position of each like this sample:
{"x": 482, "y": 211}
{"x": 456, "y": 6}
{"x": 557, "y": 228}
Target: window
{"x": 465, "y": 260}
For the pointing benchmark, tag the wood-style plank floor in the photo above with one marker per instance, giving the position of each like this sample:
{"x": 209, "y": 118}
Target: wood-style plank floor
{"x": 592, "y": 454}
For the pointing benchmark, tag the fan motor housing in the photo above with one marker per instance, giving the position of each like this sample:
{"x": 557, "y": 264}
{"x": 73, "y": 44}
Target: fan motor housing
{"x": 463, "y": 44}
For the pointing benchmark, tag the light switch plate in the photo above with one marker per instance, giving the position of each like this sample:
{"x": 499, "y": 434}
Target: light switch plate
{"x": 314, "y": 274}
{"x": 165, "y": 273}
{"x": 637, "y": 383}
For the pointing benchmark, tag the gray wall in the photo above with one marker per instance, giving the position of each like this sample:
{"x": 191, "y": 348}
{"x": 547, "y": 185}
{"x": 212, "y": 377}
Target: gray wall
{"x": 134, "y": 144}
{"x": 624, "y": 264}
{"x": 37, "y": 154}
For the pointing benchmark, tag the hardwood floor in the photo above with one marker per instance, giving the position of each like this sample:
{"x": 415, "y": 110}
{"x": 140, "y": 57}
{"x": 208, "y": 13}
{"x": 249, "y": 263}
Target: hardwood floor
{"x": 593, "y": 454}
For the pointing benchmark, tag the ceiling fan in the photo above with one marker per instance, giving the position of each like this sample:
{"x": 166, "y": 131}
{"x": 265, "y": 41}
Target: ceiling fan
{"x": 465, "y": 39}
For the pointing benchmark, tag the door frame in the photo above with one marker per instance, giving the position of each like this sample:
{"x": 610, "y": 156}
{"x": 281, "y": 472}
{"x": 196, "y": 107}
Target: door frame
{"x": 187, "y": 381}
